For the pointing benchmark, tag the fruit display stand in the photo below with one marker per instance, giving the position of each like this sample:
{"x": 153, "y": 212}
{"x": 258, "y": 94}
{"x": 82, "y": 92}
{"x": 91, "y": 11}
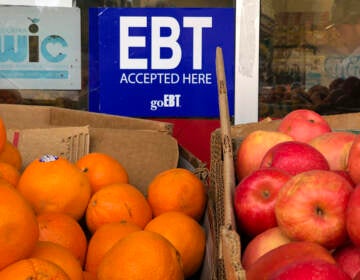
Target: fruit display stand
{"x": 229, "y": 240}
{"x": 144, "y": 147}
{"x": 224, "y": 145}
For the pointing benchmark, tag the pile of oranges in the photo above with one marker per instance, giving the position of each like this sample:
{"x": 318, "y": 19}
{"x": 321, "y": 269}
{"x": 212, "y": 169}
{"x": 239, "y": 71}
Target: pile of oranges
{"x": 84, "y": 220}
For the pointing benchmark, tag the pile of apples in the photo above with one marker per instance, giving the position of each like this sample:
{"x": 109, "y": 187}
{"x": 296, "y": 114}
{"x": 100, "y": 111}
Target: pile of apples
{"x": 297, "y": 201}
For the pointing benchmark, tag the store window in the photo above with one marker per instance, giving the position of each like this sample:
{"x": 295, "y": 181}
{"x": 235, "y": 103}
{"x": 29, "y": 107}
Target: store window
{"x": 78, "y": 99}
{"x": 309, "y": 56}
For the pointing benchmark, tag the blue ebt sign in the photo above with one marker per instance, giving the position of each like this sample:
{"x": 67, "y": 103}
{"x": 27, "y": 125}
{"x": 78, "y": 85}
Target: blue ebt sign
{"x": 159, "y": 62}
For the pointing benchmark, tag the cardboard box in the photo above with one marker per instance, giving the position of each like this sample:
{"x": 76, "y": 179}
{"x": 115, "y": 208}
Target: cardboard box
{"x": 21, "y": 116}
{"x": 120, "y": 136}
{"x": 228, "y": 251}
{"x": 144, "y": 147}
{"x": 71, "y": 142}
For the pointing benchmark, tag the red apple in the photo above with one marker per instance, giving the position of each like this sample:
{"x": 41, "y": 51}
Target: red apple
{"x": 353, "y": 216}
{"x": 335, "y": 146}
{"x": 310, "y": 269}
{"x": 346, "y": 175}
{"x": 294, "y": 157}
{"x": 253, "y": 148}
{"x": 286, "y": 254}
{"x": 304, "y": 125}
{"x": 312, "y": 205}
{"x": 353, "y": 163}
{"x": 357, "y": 276}
{"x": 254, "y": 200}
{"x": 261, "y": 244}
{"x": 348, "y": 258}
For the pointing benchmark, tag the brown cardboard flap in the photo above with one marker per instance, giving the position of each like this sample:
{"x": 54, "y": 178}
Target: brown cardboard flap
{"x": 143, "y": 153}
{"x": 26, "y": 116}
{"x": 68, "y": 142}
{"x": 144, "y": 147}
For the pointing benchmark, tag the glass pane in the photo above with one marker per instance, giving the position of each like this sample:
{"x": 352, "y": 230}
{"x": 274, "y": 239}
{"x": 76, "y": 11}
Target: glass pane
{"x": 78, "y": 99}
{"x": 309, "y": 56}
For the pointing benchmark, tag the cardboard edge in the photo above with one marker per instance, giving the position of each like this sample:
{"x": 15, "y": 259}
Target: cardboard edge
{"x": 231, "y": 248}
{"x": 51, "y": 116}
{"x": 229, "y": 240}
{"x": 59, "y": 116}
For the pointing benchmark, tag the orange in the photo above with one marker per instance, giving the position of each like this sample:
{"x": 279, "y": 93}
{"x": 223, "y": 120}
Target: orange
{"x": 19, "y": 229}
{"x": 54, "y": 184}
{"x": 102, "y": 169}
{"x": 9, "y": 173}
{"x": 64, "y": 230}
{"x": 177, "y": 189}
{"x": 33, "y": 268}
{"x": 3, "y": 136}
{"x": 117, "y": 202}
{"x": 59, "y": 255}
{"x": 88, "y": 276}
{"x": 11, "y": 155}
{"x": 103, "y": 239}
{"x": 141, "y": 255}
{"x": 187, "y": 236}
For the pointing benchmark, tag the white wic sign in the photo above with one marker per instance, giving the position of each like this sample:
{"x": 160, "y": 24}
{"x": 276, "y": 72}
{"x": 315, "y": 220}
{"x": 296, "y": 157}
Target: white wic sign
{"x": 47, "y": 3}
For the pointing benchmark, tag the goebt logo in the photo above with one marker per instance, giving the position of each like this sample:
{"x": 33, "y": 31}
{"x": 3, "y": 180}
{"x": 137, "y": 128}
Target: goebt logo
{"x": 169, "y": 101}
{"x": 128, "y": 41}
{"x": 30, "y": 47}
